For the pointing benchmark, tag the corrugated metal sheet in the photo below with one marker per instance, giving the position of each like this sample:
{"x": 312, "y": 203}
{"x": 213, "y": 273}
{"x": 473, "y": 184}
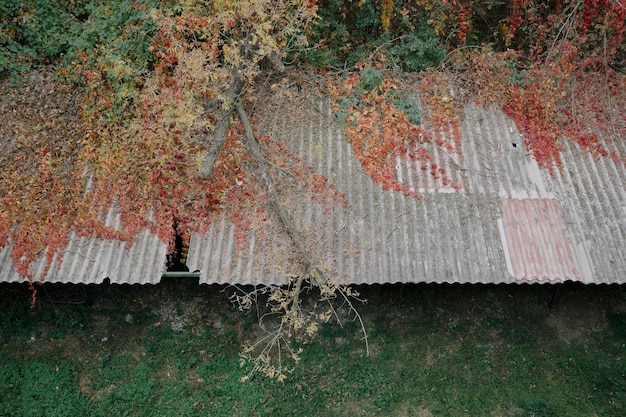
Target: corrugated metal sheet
{"x": 508, "y": 221}
{"x": 89, "y": 260}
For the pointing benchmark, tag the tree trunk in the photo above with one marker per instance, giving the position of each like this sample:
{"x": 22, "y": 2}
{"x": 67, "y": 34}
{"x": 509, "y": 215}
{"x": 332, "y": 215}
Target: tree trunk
{"x": 215, "y": 146}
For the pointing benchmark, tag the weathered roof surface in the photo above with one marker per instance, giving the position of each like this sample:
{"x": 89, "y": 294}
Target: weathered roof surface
{"x": 552, "y": 228}
{"x": 508, "y": 221}
{"x": 89, "y": 260}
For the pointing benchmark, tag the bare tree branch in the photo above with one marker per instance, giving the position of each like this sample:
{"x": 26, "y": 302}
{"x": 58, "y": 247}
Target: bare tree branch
{"x": 286, "y": 302}
{"x": 268, "y": 182}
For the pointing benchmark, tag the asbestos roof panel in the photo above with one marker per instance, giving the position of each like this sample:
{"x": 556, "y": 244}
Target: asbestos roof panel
{"x": 507, "y": 221}
{"x": 90, "y": 260}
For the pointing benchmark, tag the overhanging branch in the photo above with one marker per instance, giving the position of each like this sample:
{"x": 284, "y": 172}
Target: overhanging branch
{"x": 215, "y": 146}
{"x": 268, "y": 182}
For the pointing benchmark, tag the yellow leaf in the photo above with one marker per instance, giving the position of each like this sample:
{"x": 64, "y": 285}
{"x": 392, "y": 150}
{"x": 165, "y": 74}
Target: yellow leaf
{"x": 312, "y": 329}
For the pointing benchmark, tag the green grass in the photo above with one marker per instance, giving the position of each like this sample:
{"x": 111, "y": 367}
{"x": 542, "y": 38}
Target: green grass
{"x": 435, "y": 350}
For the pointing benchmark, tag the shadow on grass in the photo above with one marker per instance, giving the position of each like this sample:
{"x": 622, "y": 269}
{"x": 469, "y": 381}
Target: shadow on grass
{"x": 436, "y": 350}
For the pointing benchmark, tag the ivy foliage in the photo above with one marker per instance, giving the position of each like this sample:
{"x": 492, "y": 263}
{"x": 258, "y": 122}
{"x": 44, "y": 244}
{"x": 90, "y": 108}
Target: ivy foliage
{"x": 36, "y": 32}
{"x": 384, "y": 124}
{"x": 348, "y": 32}
{"x": 116, "y": 41}
{"x": 371, "y": 81}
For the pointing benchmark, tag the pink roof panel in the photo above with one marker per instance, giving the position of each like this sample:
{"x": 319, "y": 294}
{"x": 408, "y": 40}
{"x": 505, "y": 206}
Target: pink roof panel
{"x": 536, "y": 244}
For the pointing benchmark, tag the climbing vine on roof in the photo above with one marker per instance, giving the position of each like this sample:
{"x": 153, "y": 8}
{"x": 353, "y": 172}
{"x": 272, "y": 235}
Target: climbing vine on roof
{"x": 384, "y": 124}
{"x": 564, "y": 82}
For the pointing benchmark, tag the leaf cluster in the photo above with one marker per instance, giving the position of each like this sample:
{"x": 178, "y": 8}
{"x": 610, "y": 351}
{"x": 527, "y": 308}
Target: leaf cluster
{"x": 551, "y": 101}
{"x": 348, "y": 32}
{"x": 533, "y": 28}
{"x": 35, "y": 32}
{"x": 371, "y": 81}
{"x": 383, "y": 125}
{"x": 110, "y": 53}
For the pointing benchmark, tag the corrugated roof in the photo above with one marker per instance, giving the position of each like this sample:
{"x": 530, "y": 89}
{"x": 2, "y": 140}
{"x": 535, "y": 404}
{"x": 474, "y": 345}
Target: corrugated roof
{"x": 90, "y": 260}
{"x": 507, "y": 221}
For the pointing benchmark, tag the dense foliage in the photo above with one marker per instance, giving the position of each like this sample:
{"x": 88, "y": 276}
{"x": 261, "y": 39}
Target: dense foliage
{"x": 36, "y": 32}
{"x": 348, "y": 31}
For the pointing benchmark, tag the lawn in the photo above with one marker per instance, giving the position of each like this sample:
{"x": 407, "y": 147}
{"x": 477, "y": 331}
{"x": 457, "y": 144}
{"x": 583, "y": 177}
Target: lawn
{"x": 435, "y": 350}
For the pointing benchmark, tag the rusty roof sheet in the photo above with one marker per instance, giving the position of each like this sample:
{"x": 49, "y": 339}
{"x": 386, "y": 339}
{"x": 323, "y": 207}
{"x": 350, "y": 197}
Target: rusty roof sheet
{"x": 508, "y": 221}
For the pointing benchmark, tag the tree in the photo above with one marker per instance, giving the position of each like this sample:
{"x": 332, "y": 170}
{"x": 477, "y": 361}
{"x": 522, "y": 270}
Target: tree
{"x": 163, "y": 83}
